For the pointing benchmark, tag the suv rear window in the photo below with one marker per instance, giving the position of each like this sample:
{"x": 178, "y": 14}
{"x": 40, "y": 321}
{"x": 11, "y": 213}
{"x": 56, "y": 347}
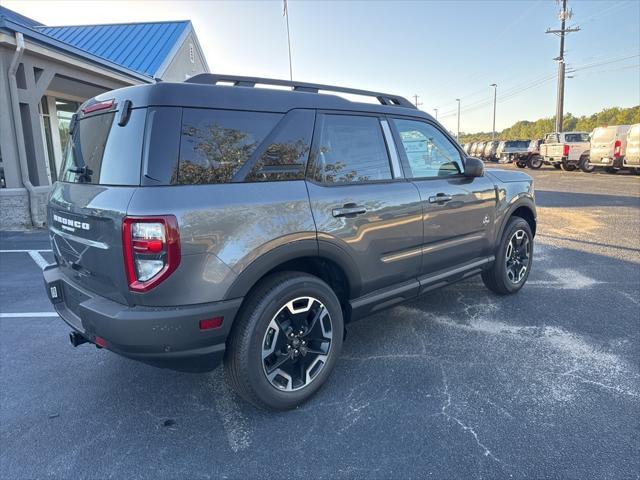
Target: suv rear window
{"x": 576, "y": 137}
{"x": 517, "y": 144}
{"x": 603, "y": 134}
{"x": 101, "y": 152}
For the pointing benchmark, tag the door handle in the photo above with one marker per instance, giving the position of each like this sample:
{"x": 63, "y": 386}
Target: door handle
{"x": 440, "y": 198}
{"x": 350, "y": 209}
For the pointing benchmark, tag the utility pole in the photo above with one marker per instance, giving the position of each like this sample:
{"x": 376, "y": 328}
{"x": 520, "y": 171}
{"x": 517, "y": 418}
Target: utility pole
{"x": 458, "y": 134}
{"x": 564, "y": 16}
{"x": 436, "y": 110}
{"x": 495, "y": 92}
{"x": 415, "y": 98}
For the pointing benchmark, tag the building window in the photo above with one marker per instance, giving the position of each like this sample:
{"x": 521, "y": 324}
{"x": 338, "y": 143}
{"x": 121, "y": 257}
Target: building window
{"x": 192, "y": 55}
{"x": 64, "y": 111}
{"x": 45, "y": 123}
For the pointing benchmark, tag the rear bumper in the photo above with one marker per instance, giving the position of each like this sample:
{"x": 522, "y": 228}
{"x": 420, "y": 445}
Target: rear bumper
{"x": 635, "y": 163}
{"x": 168, "y": 337}
{"x": 606, "y": 162}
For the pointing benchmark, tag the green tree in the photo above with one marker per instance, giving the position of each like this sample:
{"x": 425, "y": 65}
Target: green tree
{"x": 525, "y": 129}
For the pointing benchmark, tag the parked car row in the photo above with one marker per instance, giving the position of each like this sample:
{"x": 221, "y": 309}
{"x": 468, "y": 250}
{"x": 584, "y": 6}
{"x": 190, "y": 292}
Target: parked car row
{"x": 525, "y": 153}
{"x": 612, "y": 147}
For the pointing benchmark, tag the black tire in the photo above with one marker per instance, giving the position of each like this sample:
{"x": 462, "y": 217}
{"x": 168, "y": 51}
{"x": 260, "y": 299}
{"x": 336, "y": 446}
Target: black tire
{"x": 521, "y": 164}
{"x": 556, "y": 166}
{"x": 535, "y": 162}
{"x": 611, "y": 169}
{"x": 567, "y": 167}
{"x": 245, "y": 366}
{"x": 585, "y": 166}
{"x": 497, "y": 278}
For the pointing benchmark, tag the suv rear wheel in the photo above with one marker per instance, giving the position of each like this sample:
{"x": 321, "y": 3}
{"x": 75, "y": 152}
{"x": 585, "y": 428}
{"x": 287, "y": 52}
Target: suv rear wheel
{"x": 513, "y": 259}
{"x": 285, "y": 342}
{"x": 535, "y": 162}
{"x": 567, "y": 167}
{"x": 585, "y": 166}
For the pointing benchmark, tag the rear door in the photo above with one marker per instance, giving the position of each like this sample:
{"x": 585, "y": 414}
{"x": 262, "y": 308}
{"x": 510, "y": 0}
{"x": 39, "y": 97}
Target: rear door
{"x": 360, "y": 201}
{"x": 99, "y": 174}
{"x": 632, "y": 153}
{"x": 458, "y": 212}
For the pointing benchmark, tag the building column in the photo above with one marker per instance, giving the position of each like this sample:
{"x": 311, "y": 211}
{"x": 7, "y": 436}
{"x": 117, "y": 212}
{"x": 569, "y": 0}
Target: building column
{"x": 30, "y": 98}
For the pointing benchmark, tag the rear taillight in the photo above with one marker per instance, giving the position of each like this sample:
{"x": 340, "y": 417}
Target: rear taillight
{"x": 565, "y": 151}
{"x": 151, "y": 247}
{"x": 616, "y": 148}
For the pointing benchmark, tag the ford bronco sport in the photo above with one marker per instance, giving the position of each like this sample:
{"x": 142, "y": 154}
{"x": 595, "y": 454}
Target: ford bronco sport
{"x": 212, "y": 221}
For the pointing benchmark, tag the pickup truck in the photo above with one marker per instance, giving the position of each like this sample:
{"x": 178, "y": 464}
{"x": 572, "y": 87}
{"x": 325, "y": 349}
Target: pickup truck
{"x": 566, "y": 150}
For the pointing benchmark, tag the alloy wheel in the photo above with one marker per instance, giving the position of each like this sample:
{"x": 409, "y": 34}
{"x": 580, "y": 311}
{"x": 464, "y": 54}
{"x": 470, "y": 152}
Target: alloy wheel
{"x": 296, "y": 344}
{"x": 517, "y": 256}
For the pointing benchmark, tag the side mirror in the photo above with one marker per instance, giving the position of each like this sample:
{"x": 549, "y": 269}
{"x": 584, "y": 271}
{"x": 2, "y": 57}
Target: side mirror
{"x": 473, "y": 167}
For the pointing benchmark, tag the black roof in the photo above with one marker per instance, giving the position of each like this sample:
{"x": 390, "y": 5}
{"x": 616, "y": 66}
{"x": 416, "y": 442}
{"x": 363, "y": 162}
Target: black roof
{"x": 202, "y": 91}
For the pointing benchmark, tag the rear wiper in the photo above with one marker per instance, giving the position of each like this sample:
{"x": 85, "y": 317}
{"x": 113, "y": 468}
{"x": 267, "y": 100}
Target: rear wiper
{"x": 85, "y": 172}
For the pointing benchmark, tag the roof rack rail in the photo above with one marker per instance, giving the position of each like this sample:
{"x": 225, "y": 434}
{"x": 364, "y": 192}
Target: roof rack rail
{"x": 213, "y": 79}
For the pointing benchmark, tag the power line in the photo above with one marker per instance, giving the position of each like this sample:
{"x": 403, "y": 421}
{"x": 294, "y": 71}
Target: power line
{"x": 607, "y": 11}
{"x": 495, "y": 40}
{"x": 542, "y": 81}
{"x": 507, "y": 92}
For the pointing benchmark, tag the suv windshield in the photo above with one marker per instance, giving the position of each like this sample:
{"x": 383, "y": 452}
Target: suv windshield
{"x": 101, "y": 152}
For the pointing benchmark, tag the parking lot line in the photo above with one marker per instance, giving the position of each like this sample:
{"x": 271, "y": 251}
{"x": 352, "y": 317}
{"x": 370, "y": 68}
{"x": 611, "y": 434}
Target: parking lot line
{"x": 27, "y": 251}
{"x": 38, "y": 258}
{"x": 28, "y": 315}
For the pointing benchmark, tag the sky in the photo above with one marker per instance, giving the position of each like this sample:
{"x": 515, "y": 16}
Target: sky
{"x": 438, "y": 50}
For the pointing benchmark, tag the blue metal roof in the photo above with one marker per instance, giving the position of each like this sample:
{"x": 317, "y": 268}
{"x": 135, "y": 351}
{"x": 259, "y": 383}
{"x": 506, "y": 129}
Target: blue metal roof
{"x": 141, "y": 47}
{"x": 17, "y": 18}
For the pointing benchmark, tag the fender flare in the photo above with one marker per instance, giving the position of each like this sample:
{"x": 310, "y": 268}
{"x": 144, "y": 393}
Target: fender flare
{"x": 291, "y": 251}
{"x": 523, "y": 201}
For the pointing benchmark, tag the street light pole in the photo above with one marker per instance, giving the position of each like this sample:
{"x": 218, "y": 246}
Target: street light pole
{"x": 436, "y": 113}
{"x": 495, "y": 90}
{"x": 458, "y": 134}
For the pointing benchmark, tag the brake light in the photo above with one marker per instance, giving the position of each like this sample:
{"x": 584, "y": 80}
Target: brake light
{"x": 94, "y": 107}
{"x": 151, "y": 247}
{"x": 565, "y": 151}
{"x": 617, "y": 147}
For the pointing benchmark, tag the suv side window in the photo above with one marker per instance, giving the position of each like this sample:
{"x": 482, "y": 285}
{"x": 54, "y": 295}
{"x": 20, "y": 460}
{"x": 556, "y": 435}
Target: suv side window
{"x": 350, "y": 149}
{"x": 429, "y": 153}
{"x": 284, "y": 154}
{"x": 215, "y": 144}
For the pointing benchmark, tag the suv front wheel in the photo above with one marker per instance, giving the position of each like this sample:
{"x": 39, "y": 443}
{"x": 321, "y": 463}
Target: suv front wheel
{"x": 513, "y": 259}
{"x": 285, "y": 342}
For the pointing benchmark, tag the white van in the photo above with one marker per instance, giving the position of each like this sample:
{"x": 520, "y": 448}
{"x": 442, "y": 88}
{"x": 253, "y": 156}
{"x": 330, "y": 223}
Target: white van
{"x": 632, "y": 154}
{"x": 608, "y": 146}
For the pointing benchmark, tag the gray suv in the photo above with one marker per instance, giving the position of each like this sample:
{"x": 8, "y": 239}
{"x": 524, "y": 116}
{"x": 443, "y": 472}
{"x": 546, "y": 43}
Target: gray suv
{"x": 210, "y": 221}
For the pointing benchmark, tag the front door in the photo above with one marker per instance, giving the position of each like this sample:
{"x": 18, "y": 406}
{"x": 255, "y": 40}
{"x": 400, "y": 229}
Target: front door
{"x": 458, "y": 211}
{"x": 361, "y": 202}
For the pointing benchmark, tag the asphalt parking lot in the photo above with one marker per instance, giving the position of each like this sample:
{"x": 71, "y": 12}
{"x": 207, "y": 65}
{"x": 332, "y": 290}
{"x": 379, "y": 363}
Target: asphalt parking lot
{"x": 459, "y": 383}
